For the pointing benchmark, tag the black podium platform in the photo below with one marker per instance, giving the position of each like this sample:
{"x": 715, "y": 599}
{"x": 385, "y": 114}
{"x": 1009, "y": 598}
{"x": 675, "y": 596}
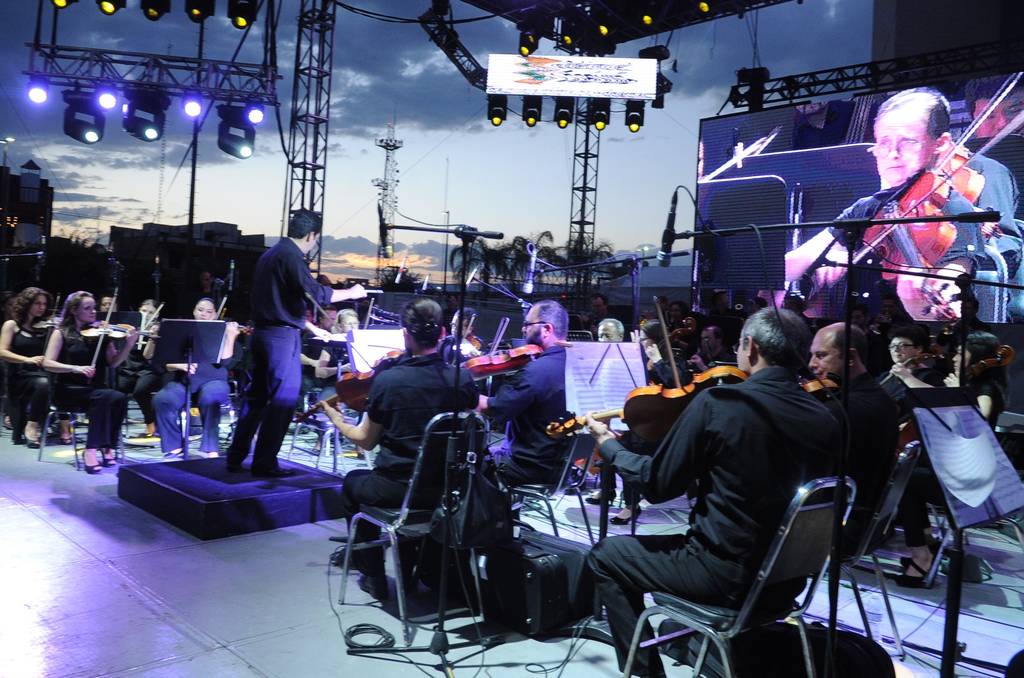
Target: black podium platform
{"x": 201, "y": 497}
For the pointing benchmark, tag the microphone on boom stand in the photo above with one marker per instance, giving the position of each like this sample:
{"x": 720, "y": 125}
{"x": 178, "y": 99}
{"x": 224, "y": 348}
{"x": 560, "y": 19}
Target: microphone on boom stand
{"x": 528, "y": 283}
{"x": 40, "y": 259}
{"x": 668, "y": 236}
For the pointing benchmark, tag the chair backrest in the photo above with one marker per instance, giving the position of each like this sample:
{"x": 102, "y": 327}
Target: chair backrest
{"x": 889, "y": 501}
{"x": 577, "y": 459}
{"x": 470, "y": 437}
{"x": 800, "y": 548}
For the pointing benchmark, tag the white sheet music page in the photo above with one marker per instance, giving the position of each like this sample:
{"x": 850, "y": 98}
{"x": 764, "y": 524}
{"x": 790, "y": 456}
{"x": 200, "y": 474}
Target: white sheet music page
{"x": 599, "y": 376}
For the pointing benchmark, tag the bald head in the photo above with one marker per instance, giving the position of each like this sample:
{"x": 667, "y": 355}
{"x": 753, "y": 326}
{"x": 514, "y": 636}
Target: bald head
{"x": 827, "y": 349}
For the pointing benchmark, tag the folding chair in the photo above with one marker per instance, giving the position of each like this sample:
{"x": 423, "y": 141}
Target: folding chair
{"x": 571, "y": 481}
{"x": 799, "y": 550}
{"x": 405, "y": 523}
{"x": 875, "y": 533}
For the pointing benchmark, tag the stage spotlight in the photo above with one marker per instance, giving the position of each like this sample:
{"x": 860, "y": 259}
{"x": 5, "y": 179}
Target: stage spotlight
{"x": 38, "y": 91}
{"x": 649, "y": 13}
{"x": 564, "y": 107}
{"x": 703, "y": 7}
{"x": 598, "y": 111}
{"x": 192, "y": 105}
{"x": 106, "y": 98}
{"x": 570, "y": 33}
{"x": 154, "y": 9}
{"x": 145, "y": 113}
{"x": 199, "y": 10}
{"x": 62, "y": 4}
{"x": 83, "y": 119}
{"x": 236, "y": 136}
{"x": 634, "y": 115}
{"x": 254, "y": 113}
{"x": 497, "y": 108}
{"x": 531, "y": 109}
{"x": 528, "y": 40}
{"x": 109, "y": 7}
{"x": 242, "y": 12}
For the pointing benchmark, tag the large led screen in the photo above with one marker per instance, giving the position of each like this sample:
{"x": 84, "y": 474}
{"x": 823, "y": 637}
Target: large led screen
{"x": 871, "y": 156}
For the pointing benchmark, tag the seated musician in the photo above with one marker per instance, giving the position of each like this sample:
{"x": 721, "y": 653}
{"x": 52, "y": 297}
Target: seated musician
{"x": 908, "y": 345}
{"x": 139, "y": 379}
{"x": 872, "y": 417}
{"x": 84, "y": 377}
{"x": 208, "y": 383}
{"x": 22, "y": 345}
{"x": 659, "y": 370}
{"x": 530, "y": 399}
{"x": 402, "y": 400}
{"x": 988, "y": 389}
{"x": 712, "y": 350}
{"x": 911, "y": 135}
{"x": 319, "y": 366}
{"x": 610, "y": 330}
{"x": 471, "y": 345}
{"x": 747, "y": 446}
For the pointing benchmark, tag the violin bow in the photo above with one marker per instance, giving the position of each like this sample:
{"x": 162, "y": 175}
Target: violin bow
{"x": 668, "y": 345}
{"x": 499, "y": 335}
{"x": 99, "y": 341}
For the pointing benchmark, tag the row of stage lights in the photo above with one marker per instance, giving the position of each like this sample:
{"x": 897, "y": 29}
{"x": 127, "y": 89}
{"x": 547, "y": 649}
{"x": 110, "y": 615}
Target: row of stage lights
{"x": 598, "y": 111}
{"x": 242, "y": 13}
{"x": 144, "y": 113}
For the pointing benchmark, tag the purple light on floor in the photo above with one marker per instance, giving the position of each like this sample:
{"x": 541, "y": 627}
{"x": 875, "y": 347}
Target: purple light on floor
{"x": 254, "y": 112}
{"x": 192, "y": 107}
{"x": 37, "y": 93}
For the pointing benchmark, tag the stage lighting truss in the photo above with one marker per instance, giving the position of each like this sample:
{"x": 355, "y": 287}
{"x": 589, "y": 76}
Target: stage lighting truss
{"x": 531, "y": 110}
{"x": 634, "y": 115}
{"x": 242, "y": 13}
{"x": 83, "y": 118}
{"x": 497, "y": 108}
{"x": 155, "y": 9}
{"x": 199, "y": 10}
{"x": 144, "y": 114}
{"x": 236, "y": 135}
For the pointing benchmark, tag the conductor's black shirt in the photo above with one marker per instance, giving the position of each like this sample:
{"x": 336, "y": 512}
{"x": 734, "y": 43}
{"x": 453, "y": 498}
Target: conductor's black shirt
{"x": 280, "y": 285}
{"x": 404, "y": 398}
{"x": 748, "y": 447}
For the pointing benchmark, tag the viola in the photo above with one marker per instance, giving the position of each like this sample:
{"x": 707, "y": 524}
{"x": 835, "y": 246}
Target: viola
{"x": 354, "y": 387}
{"x": 502, "y": 362}
{"x": 822, "y": 389}
{"x": 1003, "y": 357}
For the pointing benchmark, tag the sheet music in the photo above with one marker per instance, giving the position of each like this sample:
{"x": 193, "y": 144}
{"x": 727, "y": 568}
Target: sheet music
{"x": 599, "y": 376}
{"x": 366, "y": 347}
{"x": 979, "y": 482}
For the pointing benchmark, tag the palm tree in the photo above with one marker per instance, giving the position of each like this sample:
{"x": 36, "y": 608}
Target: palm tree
{"x": 489, "y": 260}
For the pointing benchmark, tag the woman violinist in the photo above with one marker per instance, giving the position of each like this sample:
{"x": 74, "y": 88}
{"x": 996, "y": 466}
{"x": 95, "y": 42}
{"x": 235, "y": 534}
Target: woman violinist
{"x": 22, "y": 344}
{"x": 986, "y": 382}
{"x": 83, "y": 382}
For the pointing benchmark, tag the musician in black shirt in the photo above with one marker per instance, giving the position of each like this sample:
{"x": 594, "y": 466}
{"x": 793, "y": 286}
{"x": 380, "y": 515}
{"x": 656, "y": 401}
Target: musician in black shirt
{"x": 22, "y": 345}
{"x": 532, "y": 398}
{"x": 747, "y": 447}
{"x": 872, "y": 419}
{"x": 907, "y": 345}
{"x": 402, "y": 400}
{"x": 280, "y": 286}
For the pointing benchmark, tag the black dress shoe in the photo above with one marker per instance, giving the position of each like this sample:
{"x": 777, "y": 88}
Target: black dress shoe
{"x": 272, "y": 472}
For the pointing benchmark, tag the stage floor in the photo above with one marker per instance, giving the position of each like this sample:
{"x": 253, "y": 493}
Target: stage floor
{"x": 92, "y": 585}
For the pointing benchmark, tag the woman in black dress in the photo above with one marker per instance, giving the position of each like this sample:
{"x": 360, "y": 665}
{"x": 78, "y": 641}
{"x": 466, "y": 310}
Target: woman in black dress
{"x": 22, "y": 345}
{"x": 83, "y": 384}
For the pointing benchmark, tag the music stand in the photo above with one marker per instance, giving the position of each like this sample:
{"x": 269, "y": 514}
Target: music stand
{"x": 189, "y": 341}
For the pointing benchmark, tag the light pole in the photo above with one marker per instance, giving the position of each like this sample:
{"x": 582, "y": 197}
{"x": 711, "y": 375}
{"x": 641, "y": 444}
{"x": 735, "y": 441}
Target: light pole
{"x": 4, "y": 190}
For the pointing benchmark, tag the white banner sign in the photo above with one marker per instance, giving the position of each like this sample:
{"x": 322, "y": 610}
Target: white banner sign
{"x": 572, "y": 76}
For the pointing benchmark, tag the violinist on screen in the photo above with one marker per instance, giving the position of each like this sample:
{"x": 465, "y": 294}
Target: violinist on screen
{"x": 280, "y": 286}
{"x": 83, "y": 382}
{"x": 530, "y": 399}
{"x": 911, "y": 134}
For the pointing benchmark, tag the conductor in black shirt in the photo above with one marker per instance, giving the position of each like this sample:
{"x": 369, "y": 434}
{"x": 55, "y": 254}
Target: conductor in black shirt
{"x": 280, "y": 287}
{"x": 532, "y": 398}
{"x": 746, "y": 448}
{"x": 402, "y": 400}
{"x": 872, "y": 416}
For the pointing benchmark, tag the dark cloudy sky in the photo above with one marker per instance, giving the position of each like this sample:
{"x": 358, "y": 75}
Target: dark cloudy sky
{"x": 511, "y": 178}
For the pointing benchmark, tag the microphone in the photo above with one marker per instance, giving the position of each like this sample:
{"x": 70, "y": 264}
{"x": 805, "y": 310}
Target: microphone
{"x": 398, "y": 276}
{"x": 668, "y": 236}
{"x": 231, "y": 276}
{"x": 389, "y": 249}
{"x": 528, "y": 283}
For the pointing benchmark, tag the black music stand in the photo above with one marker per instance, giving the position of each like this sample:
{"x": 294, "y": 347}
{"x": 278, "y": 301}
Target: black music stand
{"x": 189, "y": 341}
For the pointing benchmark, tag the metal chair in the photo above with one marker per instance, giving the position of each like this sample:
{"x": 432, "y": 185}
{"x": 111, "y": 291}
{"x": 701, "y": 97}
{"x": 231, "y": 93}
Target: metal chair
{"x": 327, "y": 435}
{"x": 571, "y": 481}
{"x": 72, "y": 415}
{"x": 799, "y": 550}
{"x": 875, "y": 534}
{"x": 405, "y": 523}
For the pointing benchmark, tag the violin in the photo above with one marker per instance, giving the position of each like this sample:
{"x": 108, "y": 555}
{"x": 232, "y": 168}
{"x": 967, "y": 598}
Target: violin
{"x": 686, "y": 328}
{"x": 502, "y": 362}
{"x": 651, "y": 411}
{"x": 119, "y": 331}
{"x": 353, "y": 388}
{"x": 1003, "y": 357}
{"x": 822, "y": 389}
{"x": 568, "y": 424}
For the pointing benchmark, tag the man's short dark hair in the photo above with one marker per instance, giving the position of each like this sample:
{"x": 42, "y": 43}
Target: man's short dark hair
{"x": 915, "y": 334}
{"x": 303, "y": 222}
{"x": 553, "y": 313}
{"x": 782, "y": 337}
{"x": 715, "y": 330}
{"x": 929, "y": 101}
{"x": 598, "y": 295}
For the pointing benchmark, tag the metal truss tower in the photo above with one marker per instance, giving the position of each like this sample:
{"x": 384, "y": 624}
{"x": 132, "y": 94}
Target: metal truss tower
{"x": 388, "y": 192}
{"x": 583, "y": 204}
{"x": 311, "y": 110}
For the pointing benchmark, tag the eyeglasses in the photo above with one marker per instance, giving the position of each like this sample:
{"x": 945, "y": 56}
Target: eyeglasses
{"x": 902, "y": 146}
{"x": 900, "y": 347}
{"x": 535, "y": 322}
